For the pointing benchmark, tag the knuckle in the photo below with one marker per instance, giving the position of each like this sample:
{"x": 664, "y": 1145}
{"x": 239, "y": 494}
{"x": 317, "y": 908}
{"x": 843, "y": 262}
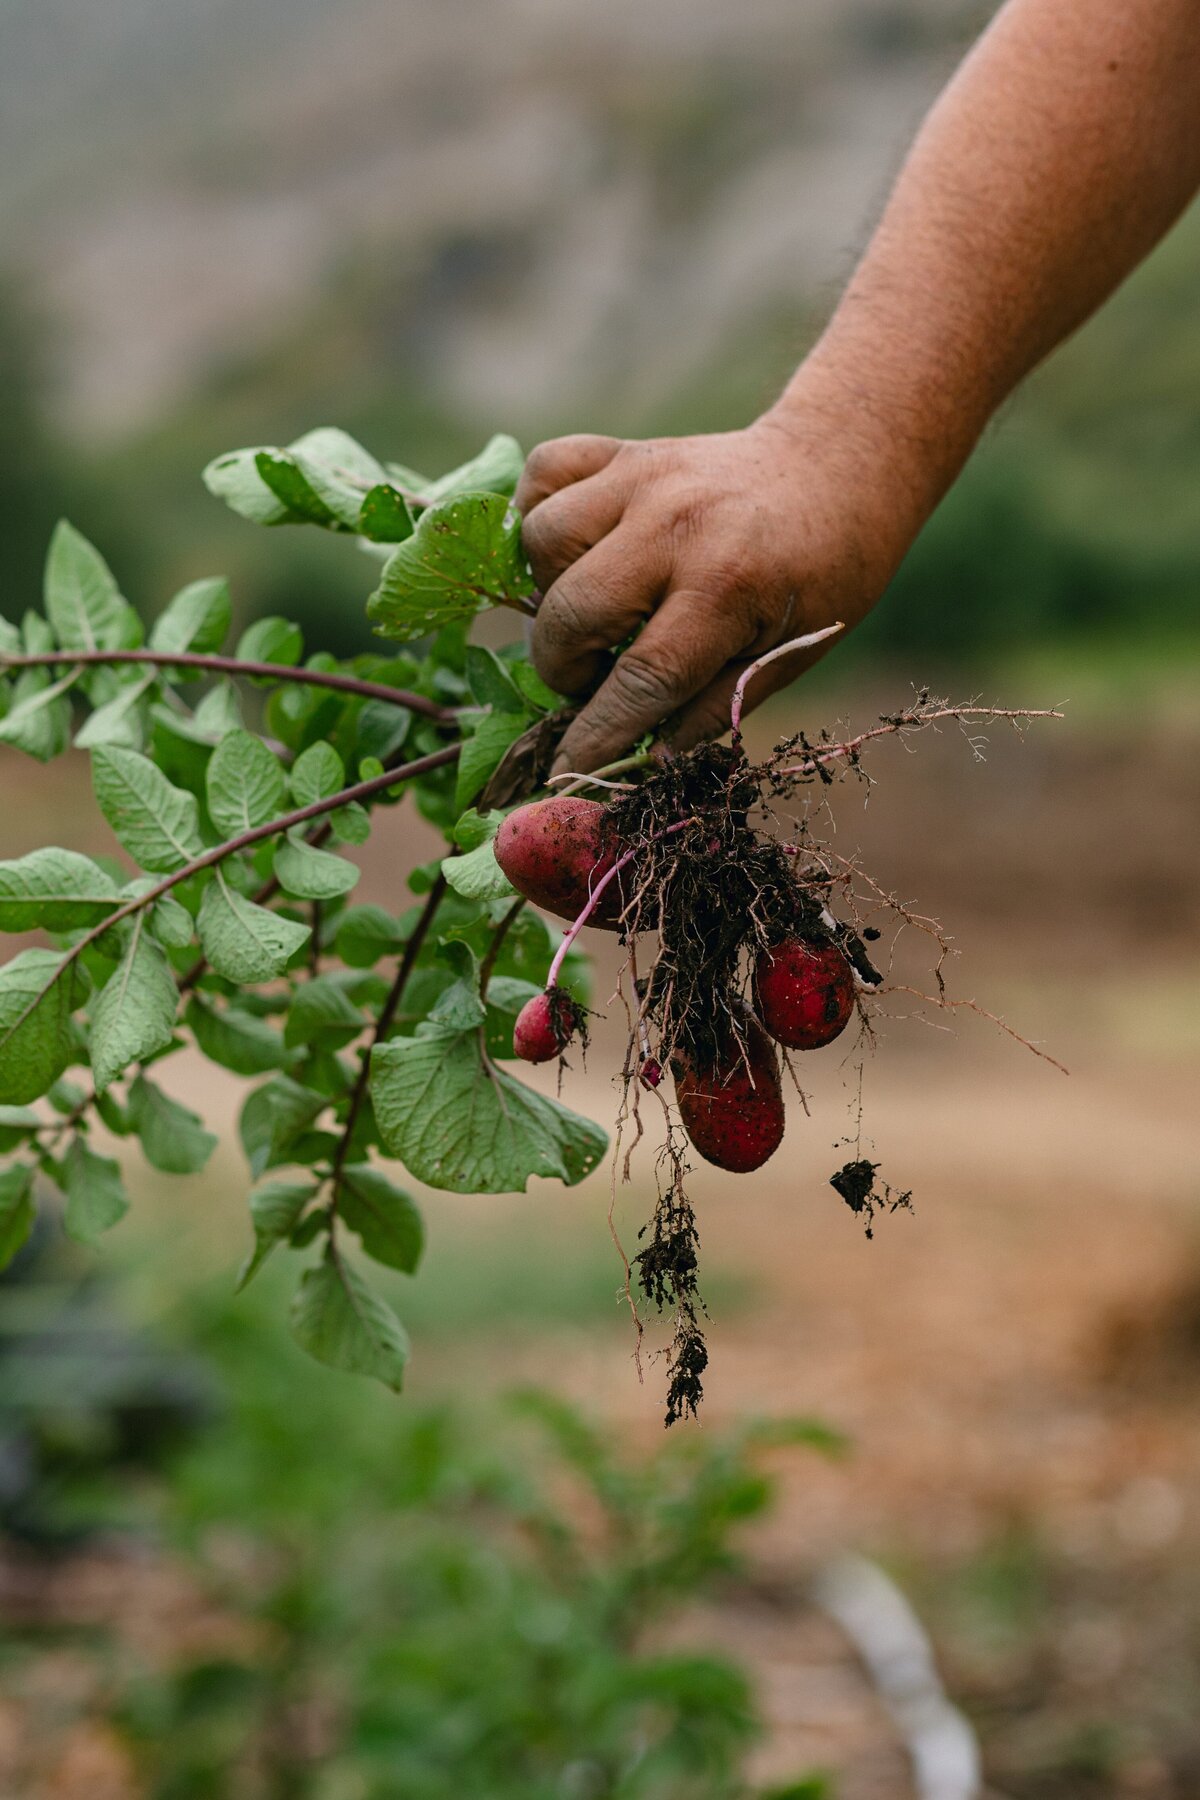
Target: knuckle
{"x": 644, "y": 686}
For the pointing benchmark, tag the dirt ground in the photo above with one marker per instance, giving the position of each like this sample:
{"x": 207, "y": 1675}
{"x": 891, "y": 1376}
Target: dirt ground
{"x": 1017, "y": 1362}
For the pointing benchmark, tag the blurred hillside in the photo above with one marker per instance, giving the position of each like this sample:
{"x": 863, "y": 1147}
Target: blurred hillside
{"x": 229, "y": 223}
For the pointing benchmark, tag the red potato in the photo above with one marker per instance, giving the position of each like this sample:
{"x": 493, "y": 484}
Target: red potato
{"x": 804, "y": 993}
{"x": 553, "y": 852}
{"x": 733, "y": 1113}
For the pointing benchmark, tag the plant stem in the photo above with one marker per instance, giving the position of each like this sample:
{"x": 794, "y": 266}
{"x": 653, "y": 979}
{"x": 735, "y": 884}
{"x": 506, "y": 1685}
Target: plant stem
{"x": 494, "y": 948}
{"x": 383, "y": 1023}
{"x": 233, "y": 665}
{"x": 362, "y": 790}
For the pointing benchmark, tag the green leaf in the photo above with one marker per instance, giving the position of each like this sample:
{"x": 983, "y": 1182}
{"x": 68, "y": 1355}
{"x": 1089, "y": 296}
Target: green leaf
{"x": 338, "y": 1320}
{"x": 490, "y": 681}
{"x": 38, "y": 993}
{"x": 458, "y": 1124}
{"x": 382, "y": 728}
{"x": 235, "y": 479}
{"x": 483, "y": 752}
{"x": 171, "y": 923}
{"x": 323, "y": 1014}
{"x": 318, "y": 773}
{"x": 121, "y": 720}
{"x": 157, "y": 823}
{"x": 235, "y": 1039}
{"x": 384, "y": 517}
{"x": 133, "y": 1016}
{"x": 351, "y": 824}
{"x": 83, "y": 603}
{"x": 96, "y": 1197}
{"x": 478, "y": 876}
{"x": 58, "y": 890}
{"x": 245, "y": 942}
{"x": 271, "y": 640}
{"x": 196, "y": 620}
{"x": 496, "y": 470}
{"x": 273, "y": 1118}
{"x": 366, "y": 933}
{"x": 384, "y": 1216}
{"x": 245, "y": 785}
{"x": 307, "y": 873}
{"x": 16, "y": 1124}
{"x": 39, "y": 721}
{"x": 218, "y": 713}
{"x": 275, "y": 1210}
{"x": 337, "y": 470}
{"x": 506, "y": 995}
{"x": 173, "y": 1137}
{"x": 464, "y": 555}
{"x": 287, "y": 482}
{"x": 475, "y": 828}
{"x": 16, "y": 1210}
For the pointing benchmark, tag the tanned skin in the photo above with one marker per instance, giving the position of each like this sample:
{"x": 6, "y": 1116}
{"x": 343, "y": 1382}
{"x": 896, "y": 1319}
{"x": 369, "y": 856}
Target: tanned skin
{"x": 1061, "y": 152}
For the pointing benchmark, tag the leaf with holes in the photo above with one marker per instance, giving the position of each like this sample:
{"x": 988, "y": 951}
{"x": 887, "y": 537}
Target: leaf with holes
{"x": 464, "y": 555}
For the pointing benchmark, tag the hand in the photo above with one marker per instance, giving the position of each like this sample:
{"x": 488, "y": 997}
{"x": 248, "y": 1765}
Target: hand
{"x": 719, "y": 547}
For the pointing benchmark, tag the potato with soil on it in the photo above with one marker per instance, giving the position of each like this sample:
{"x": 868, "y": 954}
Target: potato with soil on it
{"x": 554, "y": 852}
{"x": 732, "y": 1110}
{"x": 804, "y": 993}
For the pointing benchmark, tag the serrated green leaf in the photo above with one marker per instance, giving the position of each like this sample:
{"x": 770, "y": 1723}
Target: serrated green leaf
{"x": 496, "y": 470}
{"x": 39, "y": 719}
{"x": 174, "y": 1138}
{"x": 365, "y": 933}
{"x": 465, "y": 554}
{"x": 484, "y": 751}
{"x": 83, "y": 602}
{"x": 121, "y": 720}
{"x": 245, "y": 942}
{"x": 384, "y": 517}
{"x": 478, "y": 876}
{"x": 38, "y": 993}
{"x": 273, "y": 1118}
{"x": 456, "y": 1123}
{"x": 317, "y": 774}
{"x": 275, "y": 1210}
{"x": 322, "y": 1013}
{"x": 96, "y": 1197}
{"x": 16, "y": 1210}
{"x": 271, "y": 640}
{"x": 196, "y": 621}
{"x": 386, "y": 1218}
{"x": 245, "y": 784}
{"x": 58, "y": 890}
{"x": 133, "y": 1016}
{"x": 339, "y": 1321}
{"x": 235, "y": 1039}
{"x": 307, "y": 873}
{"x": 156, "y": 822}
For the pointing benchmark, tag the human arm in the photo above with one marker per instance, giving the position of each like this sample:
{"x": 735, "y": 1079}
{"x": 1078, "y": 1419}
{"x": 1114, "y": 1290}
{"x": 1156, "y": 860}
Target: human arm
{"x": 1062, "y": 150}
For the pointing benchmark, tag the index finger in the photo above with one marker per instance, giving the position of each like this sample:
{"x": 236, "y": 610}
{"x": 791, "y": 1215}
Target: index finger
{"x": 558, "y": 462}
{"x": 678, "y": 653}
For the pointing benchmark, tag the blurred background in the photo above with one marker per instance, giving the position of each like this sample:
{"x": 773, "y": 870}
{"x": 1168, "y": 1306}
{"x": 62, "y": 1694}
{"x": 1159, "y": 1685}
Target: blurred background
{"x": 223, "y": 224}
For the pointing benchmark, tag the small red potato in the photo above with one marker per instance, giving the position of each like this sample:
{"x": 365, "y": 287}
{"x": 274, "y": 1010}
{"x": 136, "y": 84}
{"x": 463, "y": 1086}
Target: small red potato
{"x": 804, "y": 993}
{"x": 553, "y": 852}
{"x": 733, "y": 1113}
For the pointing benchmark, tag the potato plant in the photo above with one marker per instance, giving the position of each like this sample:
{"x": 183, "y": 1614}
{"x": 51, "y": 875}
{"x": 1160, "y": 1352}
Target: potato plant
{"x": 238, "y": 785}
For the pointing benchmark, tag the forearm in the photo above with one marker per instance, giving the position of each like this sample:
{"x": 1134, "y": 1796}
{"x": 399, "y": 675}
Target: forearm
{"x": 1065, "y": 147}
